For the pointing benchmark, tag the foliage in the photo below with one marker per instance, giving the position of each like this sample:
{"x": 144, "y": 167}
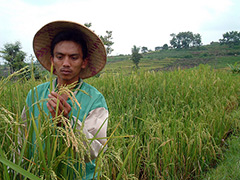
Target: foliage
{"x": 88, "y": 25}
{"x": 230, "y": 38}
{"x": 144, "y": 49}
{"x": 179, "y": 119}
{"x": 235, "y": 68}
{"x": 216, "y": 55}
{"x": 107, "y": 41}
{"x": 57, "y": 152}
{"x": 184, "y": 40}
{"x": 165, "y": 47}
{"x": 158, "y": 48}
{"x": 14, "y": 56}
{"x": 135, "y": 57}
{"x": 228, "y": 167}
{"x": 166, "y": 125}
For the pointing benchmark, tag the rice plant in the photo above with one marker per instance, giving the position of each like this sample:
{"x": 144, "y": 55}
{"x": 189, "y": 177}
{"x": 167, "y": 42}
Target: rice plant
{"x": 38, "y": 148}
{"x": 162, "y": 125}
{"x": 178, "y": 117}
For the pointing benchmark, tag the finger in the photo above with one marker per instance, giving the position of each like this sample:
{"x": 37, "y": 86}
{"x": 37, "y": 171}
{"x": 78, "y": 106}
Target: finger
{"x": 51, "y": 110}
{"x": 57, "y": 100}
{"x": 62, "y": 97}
{"x": 67, "y": 109}
{"x": 56, "y": 105}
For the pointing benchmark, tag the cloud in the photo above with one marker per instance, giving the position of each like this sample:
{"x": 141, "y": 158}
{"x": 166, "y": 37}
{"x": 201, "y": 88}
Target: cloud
{"x": 133, "y": 22}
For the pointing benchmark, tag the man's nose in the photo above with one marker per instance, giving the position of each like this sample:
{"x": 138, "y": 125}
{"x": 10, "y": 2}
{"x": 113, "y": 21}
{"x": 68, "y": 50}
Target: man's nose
{"x": 66, "y": 61}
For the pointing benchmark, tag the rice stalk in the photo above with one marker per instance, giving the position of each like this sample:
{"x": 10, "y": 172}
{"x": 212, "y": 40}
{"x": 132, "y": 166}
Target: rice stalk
{"x": 66, "y": 89}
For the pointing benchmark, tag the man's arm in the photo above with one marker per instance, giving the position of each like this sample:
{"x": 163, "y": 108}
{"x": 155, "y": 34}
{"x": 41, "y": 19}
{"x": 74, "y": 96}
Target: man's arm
{"x": 96, "y": 121}
{"x": 95, "y": 124}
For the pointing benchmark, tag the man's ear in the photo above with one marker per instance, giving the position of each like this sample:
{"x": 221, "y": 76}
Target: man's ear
{"x": 51, "y": 58}
{"x": 52, "y": 63}
{"x": 84, "y": 63}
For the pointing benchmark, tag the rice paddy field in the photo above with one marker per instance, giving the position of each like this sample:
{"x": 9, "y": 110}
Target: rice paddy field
{"x": 162, "y": 125}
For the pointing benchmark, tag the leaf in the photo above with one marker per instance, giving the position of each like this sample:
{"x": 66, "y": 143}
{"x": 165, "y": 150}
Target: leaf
{"x": 18, "y": 169}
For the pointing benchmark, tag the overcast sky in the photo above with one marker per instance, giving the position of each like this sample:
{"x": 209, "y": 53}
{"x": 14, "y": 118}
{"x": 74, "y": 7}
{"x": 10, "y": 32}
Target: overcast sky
{"x": 133, "y": 22}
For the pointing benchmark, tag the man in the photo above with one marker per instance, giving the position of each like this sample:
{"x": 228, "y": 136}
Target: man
{"x": 75, "y": 53}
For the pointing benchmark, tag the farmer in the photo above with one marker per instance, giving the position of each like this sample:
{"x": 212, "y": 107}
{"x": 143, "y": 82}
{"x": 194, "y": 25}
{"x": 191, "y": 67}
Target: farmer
{"x": 75, "y": 53}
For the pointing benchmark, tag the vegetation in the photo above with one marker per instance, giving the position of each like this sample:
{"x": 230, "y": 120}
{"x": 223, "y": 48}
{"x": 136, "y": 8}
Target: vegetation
{"x": 216, "y": 55}
{"x": 231, "y": 38}
{"x": 235, "y": 68}
{"x": 174, "y": 124}
{"x": 144, "y": 49}
{"x": 107, "y": 39}
{"x": 136, "y": 56}
{"x": 185, "y": 40}
{"x": 169, "y": 126}
{"x": 14, "y": 56}
{"x": 228, "y": 167}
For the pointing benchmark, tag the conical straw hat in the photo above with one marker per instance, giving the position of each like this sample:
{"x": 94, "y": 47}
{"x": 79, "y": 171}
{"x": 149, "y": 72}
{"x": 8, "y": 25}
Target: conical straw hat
{"x": 96, "y": 51}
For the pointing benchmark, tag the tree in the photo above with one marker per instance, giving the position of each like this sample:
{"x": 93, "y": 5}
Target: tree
{"x": 197, "y": 40}
{"x": 144, "y": 49}
{"x": 173, "y": 41}
{"x": 14, "y": 56}
{"x": 107, "y": 41}
{"x": 135, "y": 57}
{"x": 158, "y": 48}
{"x": 165, "y": 47}
{"x": 88, "y": 25}
{"x": 185, "y": 40}
{"x": 230, "y": 38}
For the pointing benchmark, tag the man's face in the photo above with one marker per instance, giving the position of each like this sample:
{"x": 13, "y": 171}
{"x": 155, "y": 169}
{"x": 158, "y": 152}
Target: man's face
{"x": 68, "y": 61}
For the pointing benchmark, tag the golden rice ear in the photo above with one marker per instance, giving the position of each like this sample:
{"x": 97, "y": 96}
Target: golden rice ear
{"x": 67, "y": 89}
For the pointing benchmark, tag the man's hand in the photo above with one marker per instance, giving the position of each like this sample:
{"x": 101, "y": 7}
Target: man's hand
{"x": 63, "y": 106}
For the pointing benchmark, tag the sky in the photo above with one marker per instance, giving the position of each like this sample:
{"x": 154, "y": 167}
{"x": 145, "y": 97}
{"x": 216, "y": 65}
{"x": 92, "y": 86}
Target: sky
{"x": 146, "y": 23}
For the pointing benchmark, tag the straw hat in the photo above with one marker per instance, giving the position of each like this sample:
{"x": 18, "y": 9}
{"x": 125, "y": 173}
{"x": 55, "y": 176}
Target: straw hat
{"x": 96, "y": 51}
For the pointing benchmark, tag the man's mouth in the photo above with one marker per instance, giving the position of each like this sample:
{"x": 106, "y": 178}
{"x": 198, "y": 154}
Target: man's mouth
{"x": 65, "y": 71}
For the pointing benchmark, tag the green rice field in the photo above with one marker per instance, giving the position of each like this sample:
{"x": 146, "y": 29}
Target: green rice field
{"x": 162, "y": 125}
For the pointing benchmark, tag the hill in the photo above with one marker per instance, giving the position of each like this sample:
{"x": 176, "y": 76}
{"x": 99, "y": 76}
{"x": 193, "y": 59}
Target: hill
{"x": 216, "y": 55}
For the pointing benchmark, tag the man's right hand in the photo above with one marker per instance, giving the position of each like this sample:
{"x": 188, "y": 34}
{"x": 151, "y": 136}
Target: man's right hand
{"x": 63, "y": 106}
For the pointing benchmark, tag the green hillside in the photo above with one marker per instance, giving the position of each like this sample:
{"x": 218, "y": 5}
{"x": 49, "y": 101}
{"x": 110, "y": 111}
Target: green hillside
{"x": 216, "y": 55}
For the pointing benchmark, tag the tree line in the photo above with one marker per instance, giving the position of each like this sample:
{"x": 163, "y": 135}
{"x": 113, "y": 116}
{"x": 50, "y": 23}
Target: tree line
{"x": 14, "y": 57}
{"x": 185, "y": 40}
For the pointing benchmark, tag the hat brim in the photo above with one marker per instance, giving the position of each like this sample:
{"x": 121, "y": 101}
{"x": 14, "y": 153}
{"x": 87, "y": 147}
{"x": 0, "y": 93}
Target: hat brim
{"x": 97, "y": 56}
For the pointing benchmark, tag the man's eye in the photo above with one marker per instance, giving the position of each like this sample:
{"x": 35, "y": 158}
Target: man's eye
{"x": 74, "y": 57}
{"x": 59, "y": 57}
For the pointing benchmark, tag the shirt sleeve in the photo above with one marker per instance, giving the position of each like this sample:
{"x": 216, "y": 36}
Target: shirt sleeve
{"x": 95, "y": 122}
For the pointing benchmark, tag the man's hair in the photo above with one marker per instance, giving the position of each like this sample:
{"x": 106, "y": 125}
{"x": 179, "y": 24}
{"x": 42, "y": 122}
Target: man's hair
{"x": 70, "y": 35}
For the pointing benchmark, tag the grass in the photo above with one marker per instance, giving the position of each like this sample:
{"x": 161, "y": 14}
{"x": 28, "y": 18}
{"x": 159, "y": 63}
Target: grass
{"x": 163, "y": 125}
{"x": 228, "y": 168}
{"x": 178, "y": 117}
{"x": 57, "y": 152}
{"x": 216, "y": 55}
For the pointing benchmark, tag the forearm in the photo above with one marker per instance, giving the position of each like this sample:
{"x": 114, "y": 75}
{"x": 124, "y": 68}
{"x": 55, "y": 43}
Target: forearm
{"x": 95, "y": 127}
